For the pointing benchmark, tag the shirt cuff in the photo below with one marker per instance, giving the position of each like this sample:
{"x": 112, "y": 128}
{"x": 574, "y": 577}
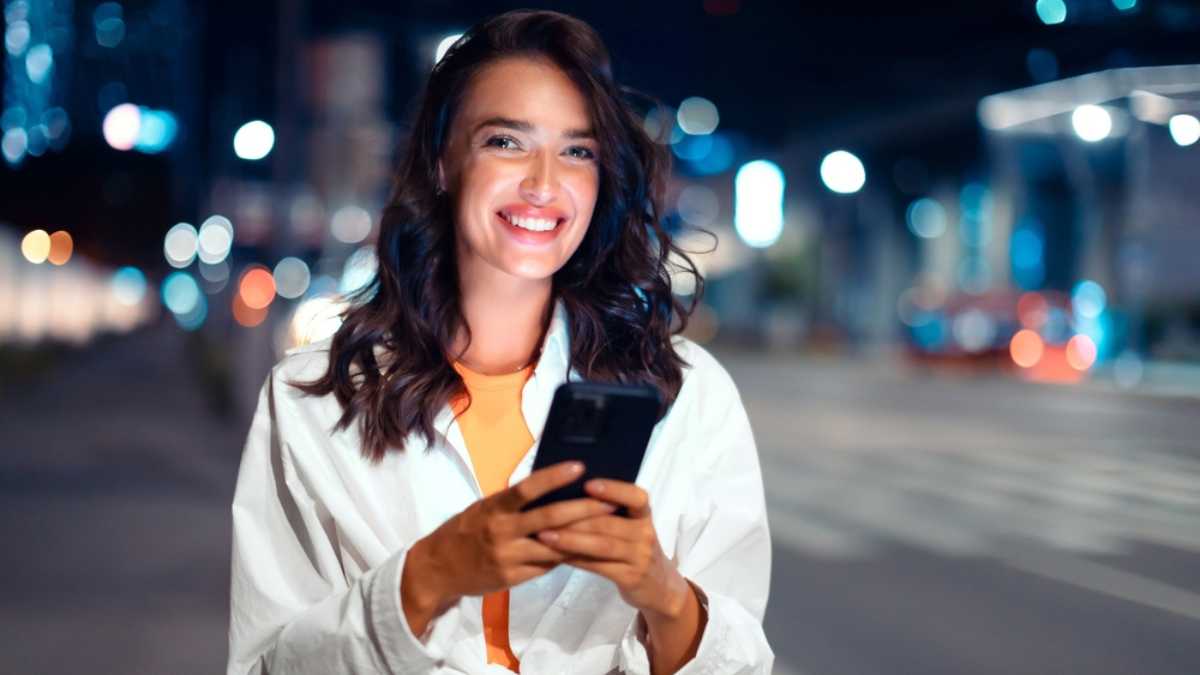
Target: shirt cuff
{"x": 720, "y": 650}
{"x": 404, "y": 652}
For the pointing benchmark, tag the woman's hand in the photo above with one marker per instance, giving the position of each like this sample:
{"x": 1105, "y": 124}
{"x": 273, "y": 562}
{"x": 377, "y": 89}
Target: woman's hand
{"x": 487, "y": 546}
{"x": 626, "y": 551}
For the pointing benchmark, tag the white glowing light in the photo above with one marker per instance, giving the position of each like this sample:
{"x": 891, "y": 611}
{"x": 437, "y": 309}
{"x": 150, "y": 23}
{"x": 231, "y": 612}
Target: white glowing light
{"x": 1092, "y": 123}
{"x": 1185, "y": 129}
{"x": 698, "y": 116}
{"x": 758, "y": 203}
{"x": 842, "y": 172}
{"x": 291, "y": 278}
{"x": 215, "y": 239}
{"x": 122, "y": 125}
{"x": 444, "y": 46}
{"x": 350, "y": 224}
{"x": 180, "y": 245}
{"x": 254, "y": 140}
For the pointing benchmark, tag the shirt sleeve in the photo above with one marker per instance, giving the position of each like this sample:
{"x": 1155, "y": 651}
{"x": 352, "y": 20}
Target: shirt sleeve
{"x": 292, "y": 609}
{"x": 724, "y": 547}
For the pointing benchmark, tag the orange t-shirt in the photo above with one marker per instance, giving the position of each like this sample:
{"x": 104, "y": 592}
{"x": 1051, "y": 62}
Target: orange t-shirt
{"x": 497, "y": 438}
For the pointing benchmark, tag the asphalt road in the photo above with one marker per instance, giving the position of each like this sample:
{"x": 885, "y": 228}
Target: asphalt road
{"x": 922, "y": 523}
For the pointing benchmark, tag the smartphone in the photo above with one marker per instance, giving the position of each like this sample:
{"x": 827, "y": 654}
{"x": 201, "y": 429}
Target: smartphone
{"x": 605, "y": 426}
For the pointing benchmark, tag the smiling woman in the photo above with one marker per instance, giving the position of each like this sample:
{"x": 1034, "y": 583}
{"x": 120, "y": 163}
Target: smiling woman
{"x": 378, "y": 518}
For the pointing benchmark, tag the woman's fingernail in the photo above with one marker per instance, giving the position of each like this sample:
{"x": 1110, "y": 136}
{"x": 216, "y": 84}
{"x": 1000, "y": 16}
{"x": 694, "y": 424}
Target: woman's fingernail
{"x": 575, "y": 468}
{"x": 597, "y": 486}
{"x": 548, "y": 536}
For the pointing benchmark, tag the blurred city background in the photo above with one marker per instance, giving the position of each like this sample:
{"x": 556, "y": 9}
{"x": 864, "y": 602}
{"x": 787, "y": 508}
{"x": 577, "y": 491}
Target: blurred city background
{"x": 957, "y": 282}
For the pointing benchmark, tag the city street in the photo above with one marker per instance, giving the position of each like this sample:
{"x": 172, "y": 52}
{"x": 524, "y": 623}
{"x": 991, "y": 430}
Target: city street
{"x": 923, "y": 522}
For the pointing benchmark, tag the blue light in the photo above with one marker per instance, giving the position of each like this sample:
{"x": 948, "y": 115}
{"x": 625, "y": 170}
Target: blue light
{"x": 129, "y": 285}
{"x": 1051, "y": 11}
{"x": 758, "y": 203}
{"x": 38, "y": 62}
{"x": 181, "y": 294}
{"x": 929, "y": 331}
{"x": 693, "y": 148}
{"x": 926, "y": 218}
{"x": 718, "y": 159}
{"x": 156, "y": 132}
{"x": 1027, "y": 253}
{"x": 1088, "y": 299}
{"x": 1124, "y": 5}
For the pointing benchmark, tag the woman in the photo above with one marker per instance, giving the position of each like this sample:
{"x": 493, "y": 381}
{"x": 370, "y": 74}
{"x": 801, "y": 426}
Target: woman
{"x": 377, "y": 518}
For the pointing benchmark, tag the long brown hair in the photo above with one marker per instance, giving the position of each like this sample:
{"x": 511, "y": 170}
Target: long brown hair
{"x": 616, "y": 287}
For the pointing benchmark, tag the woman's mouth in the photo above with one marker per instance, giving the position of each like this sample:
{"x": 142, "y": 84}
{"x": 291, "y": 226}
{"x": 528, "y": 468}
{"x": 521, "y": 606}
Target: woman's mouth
{"x": 531, "y": 230}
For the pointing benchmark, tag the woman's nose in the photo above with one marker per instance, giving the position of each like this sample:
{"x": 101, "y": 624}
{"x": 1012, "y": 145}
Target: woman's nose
{"x": 538, "y": 186}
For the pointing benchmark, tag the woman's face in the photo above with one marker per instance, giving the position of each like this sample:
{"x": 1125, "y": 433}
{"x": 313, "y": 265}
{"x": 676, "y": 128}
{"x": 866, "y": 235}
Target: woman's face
{"x": 521, "y": 165}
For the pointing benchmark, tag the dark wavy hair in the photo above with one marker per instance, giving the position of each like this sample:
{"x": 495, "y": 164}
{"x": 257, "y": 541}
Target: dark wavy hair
{"x": 389, "y": 364}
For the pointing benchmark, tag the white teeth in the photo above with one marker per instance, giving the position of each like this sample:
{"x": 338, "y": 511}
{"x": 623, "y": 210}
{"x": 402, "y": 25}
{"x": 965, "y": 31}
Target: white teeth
{"x": 534, "y": 224}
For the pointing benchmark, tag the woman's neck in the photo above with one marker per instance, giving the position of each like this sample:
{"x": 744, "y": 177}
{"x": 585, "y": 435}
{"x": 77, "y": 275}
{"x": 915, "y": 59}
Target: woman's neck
{"x": 508, "y": 317}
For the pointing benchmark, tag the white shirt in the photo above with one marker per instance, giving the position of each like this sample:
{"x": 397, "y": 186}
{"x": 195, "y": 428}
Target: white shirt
{"x": 320, "y": 535}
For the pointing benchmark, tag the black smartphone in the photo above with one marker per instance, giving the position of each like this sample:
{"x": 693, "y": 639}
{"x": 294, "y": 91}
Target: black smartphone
{"x": 605, "y": 426}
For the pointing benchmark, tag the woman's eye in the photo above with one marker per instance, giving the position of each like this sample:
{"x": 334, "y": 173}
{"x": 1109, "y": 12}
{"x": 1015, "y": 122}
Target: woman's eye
{"x": 501, "y": 141}
{"x": 582, "y": 152}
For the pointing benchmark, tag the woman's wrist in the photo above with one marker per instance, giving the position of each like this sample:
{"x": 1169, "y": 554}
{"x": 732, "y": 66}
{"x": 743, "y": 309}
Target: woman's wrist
{"x": 673, "y": 601}
{"x": 423, "y": 596}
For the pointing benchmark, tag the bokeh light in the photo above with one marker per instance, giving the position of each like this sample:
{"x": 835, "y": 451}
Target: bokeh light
{"x": 1051, "y": 12}
{"x": 16, "y": 37}
{"x": 256, "y": 287}
{"x": 180, "y": 293}
{"x": 974, "y": 330}
{"x": 1185, "y": 129}
{"x": 926, "y": 218}
{"x": 842, "y": 172}
{"x": 180, "y": 245}
{"x": 1124, "y": 5}
{"x": 156, "y": 130}
{"x": 128, "y": 286}
{"x": 254, "y": 140}
{"x": 14, "y": 144}
{"x": 758, "y": 203}
{"x": 122, "y": 125}
{"x": 109, "y": 24}
{"x": 1081, "y": 352}
{"x": 38, "y": 62}
{"x": 61, "y": 246}
{"x": 1088, "y": 299}
{"x": 35, "y": 246}
{"x": 350, "y": 224}
{"x": 1026, "y": 348}
{"x": 291, "y": 278}
{"x": 697, "y": 116}
{"x": 1092, "y": 123}
{"x": 214, "y": 240}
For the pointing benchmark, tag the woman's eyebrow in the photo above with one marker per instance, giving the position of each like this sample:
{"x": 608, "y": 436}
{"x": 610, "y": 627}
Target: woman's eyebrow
{"x": 527, "y": 127}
